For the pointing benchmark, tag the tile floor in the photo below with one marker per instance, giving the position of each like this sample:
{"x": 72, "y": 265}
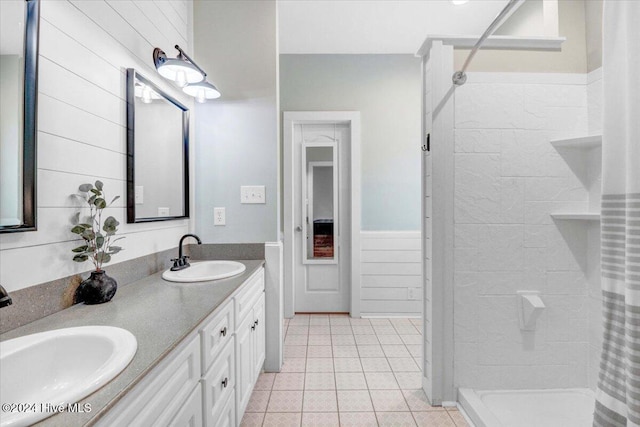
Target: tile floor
{"x": 340, "y": 371}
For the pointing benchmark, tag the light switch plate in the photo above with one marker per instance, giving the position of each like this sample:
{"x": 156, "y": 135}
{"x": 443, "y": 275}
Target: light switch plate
{"x": 219, "y": 216}
{"x": 164, "y": 212}
{"x": 139, "y": 194}
{"x": 252, "y": 194}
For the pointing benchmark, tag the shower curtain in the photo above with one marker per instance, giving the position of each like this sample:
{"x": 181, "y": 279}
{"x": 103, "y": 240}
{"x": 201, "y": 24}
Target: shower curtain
{"x": 618, "y": 394}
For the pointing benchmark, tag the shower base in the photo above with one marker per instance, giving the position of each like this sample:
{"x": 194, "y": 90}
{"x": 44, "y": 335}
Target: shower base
{"x": 528, "y": 408}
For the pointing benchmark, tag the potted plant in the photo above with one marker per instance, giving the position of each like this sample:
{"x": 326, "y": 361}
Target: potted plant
{"x": 98, "y": 245}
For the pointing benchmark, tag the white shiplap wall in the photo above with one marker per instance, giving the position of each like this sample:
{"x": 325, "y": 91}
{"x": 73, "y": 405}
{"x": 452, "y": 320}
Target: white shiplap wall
{"x": 391, "y": 269}
{"x": 85, "y": 48}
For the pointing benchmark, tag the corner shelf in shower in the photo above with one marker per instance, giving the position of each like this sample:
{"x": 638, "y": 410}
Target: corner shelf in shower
{"x": 582, "y": 143}
{"x": 584, "y": 216}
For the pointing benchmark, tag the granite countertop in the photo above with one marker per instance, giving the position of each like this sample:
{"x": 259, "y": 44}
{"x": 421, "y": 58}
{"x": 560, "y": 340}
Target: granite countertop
{"x": 159, "y": 314}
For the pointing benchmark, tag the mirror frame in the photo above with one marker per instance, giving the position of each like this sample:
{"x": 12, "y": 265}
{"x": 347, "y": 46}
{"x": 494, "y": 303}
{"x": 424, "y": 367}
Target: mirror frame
{"x": 132, "y": 75}
{"x": 30, "y": 117}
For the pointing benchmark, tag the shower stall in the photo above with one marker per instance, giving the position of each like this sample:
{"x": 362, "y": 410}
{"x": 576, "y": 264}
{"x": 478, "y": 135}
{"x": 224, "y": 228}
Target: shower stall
{"x": 512, "y": 166}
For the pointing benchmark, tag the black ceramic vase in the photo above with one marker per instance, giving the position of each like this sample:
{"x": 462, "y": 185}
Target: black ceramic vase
{"x": 97, "y": 289}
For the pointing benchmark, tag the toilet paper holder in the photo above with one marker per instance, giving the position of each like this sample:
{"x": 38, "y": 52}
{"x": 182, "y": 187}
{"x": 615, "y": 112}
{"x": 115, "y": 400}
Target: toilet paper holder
{"x": 530, "y": 307}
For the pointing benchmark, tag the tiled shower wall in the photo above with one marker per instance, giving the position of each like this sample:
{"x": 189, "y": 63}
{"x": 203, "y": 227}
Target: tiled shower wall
{"x": 508, "y": 179}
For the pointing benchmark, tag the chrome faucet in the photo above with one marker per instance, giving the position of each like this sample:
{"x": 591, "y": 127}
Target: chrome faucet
{"x": 5, "y": 299}
{"x": 182, "y": 262}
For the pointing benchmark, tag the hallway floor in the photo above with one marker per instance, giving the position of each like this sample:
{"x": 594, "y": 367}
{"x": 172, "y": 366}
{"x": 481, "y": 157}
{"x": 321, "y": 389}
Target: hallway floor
{"x": 340, "y": 371}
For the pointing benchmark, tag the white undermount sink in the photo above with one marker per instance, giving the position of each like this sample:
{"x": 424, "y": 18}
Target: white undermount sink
{"x": 59, "y": 367}
{"x": 203, "y": 271}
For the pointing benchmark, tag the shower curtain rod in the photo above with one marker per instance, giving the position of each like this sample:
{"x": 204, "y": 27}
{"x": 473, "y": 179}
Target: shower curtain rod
{"x": 460, "y": 77}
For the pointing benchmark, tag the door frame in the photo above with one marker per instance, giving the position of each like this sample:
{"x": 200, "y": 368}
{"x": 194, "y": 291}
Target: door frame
{"x": 291, "y": 118}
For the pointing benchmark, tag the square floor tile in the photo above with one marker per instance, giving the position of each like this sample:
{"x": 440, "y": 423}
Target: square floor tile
{"x": 395, "y": 419}
{"x": 359, "y": 322}
{"x": 265, "y": 381}
{"x": 433, "y": 419}
{"x": 418, "y": 401}
{"x": 345, "y": 351}
{"x": 381, "y": 381}
{"x": 285, "y": 401}
{"x": 295, "y": 339}
{"x": 320, "y": 364}
{"x": 252, "y": 419}
{"x": 350, "y": 381}
{"x": 405, "y": 330}
{"x": 390, "y": 339}
{"x": 258, "y": 401}
{"x": 362, "y": 330}
{"x": 366, "y": 339}
{"x": 358, "y": 419}
{"x": 388, "y": 401}
{"x": 343, "y": 340}
{"x": 341, "y": 330}
{"x": 375, "y": 364}
{"x": 294, "y": 365}
{"x": 409, "y": 380}
{"x": 414, "y": 350}
{"x": 384, "y": 329}
{"x": 289, "y": 381}
{"x": 320, "y": 330}
{"x": 339, "y": 320}
{"x": 282, "y": 419}
{"x": 295, "y": 351}
{"x": 319, "y": 321}
{"x": 403, "y": 364}
{"x": 395, "y": 350}
{"x": 320, "y": 401}
{"x": 347, "y": 364}
{"x": 457, "y": 418}
{"x": 398, "y": 321}
{"x": 377, "y": 322}
{"x": 354, "y": 401}
{"x": 411, "y": 339}
{"x": 317, "y": 419}
{"x": 319, "y": 351}
{"x": 319, "y": 339}
{"x": 319, "y": 381}
{"x": 370, "y": 351}
{"x": 297, "y": 330}
{"x": 299, "y": 321}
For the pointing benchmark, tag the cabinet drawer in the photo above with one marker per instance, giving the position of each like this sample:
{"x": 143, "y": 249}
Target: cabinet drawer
{"x": 157, "y": 401}
{"x": 216, "y": 334}
{"x": 228, "y": 415}
{"x": 219, "y": 383}
{"x": 191, "y": 412}
{"x": 245, "y": 299}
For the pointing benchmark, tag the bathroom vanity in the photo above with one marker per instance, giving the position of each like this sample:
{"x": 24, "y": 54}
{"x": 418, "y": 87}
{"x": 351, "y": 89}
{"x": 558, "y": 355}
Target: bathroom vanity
{"x": 201, "y": 347}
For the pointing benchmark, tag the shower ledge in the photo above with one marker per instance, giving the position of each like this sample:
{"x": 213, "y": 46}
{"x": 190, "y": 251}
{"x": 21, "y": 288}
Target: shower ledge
{"x": 582, "y": 143}
{"x": 581, "y": 216}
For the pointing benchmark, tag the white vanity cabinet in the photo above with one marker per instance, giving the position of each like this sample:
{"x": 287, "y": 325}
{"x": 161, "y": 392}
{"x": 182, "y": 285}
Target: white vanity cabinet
{"x": 208, "y": 379}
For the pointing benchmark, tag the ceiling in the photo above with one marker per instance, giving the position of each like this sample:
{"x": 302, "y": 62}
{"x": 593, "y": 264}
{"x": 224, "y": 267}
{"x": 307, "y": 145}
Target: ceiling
{"x": 376, "y": 26}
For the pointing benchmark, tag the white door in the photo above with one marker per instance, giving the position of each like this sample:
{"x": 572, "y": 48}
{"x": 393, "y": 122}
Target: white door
{"x": 321, "y": 217}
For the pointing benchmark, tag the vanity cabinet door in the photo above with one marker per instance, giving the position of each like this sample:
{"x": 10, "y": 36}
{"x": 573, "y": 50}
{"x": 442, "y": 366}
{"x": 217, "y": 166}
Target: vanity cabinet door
{"x": 228, "y": 415}
{"x": 218, "y": 384}
{"x": 191, "y": 412}
{"x": 245, "y": 376}
{"x": 259, "y": 337}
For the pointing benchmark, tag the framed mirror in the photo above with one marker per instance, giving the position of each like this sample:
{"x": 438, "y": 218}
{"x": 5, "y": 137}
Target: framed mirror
{"x": 157, "y": 153}
{"x": 19, "y": 24}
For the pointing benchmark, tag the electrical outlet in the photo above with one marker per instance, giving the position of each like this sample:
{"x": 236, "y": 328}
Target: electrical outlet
{"x": 252, "y": 194}
{"x": 139, "y": 194}
{"x": 411, "y": 294}
{"x": 219, "y": 216}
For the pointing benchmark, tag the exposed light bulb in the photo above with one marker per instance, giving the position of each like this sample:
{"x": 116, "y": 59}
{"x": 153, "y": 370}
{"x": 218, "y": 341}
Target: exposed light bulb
{"x": 181, "y": 78}
{"x": 146, "y": 95}
{"x": 201, "y": 98}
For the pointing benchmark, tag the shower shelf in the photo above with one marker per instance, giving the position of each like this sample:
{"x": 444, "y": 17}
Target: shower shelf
{"x": 586, "y": 216}
{"x": 582, "y": 143}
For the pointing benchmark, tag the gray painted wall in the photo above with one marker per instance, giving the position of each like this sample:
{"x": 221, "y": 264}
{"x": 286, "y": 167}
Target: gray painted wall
{"x": 386, "y": 90}
{"x": 236, "y": 135}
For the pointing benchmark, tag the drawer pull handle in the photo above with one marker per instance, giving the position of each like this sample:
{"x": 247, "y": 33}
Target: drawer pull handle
{"x": 225, "y": 382}
{"x": 223, "y": 332}
{"x": 256, "y": 323}
{"x": 253, "y": 327}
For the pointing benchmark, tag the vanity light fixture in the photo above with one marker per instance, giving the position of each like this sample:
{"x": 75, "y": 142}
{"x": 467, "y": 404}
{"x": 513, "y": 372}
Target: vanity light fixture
{"x": 202, "y": 91}
{"x": 181, "y": 69}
